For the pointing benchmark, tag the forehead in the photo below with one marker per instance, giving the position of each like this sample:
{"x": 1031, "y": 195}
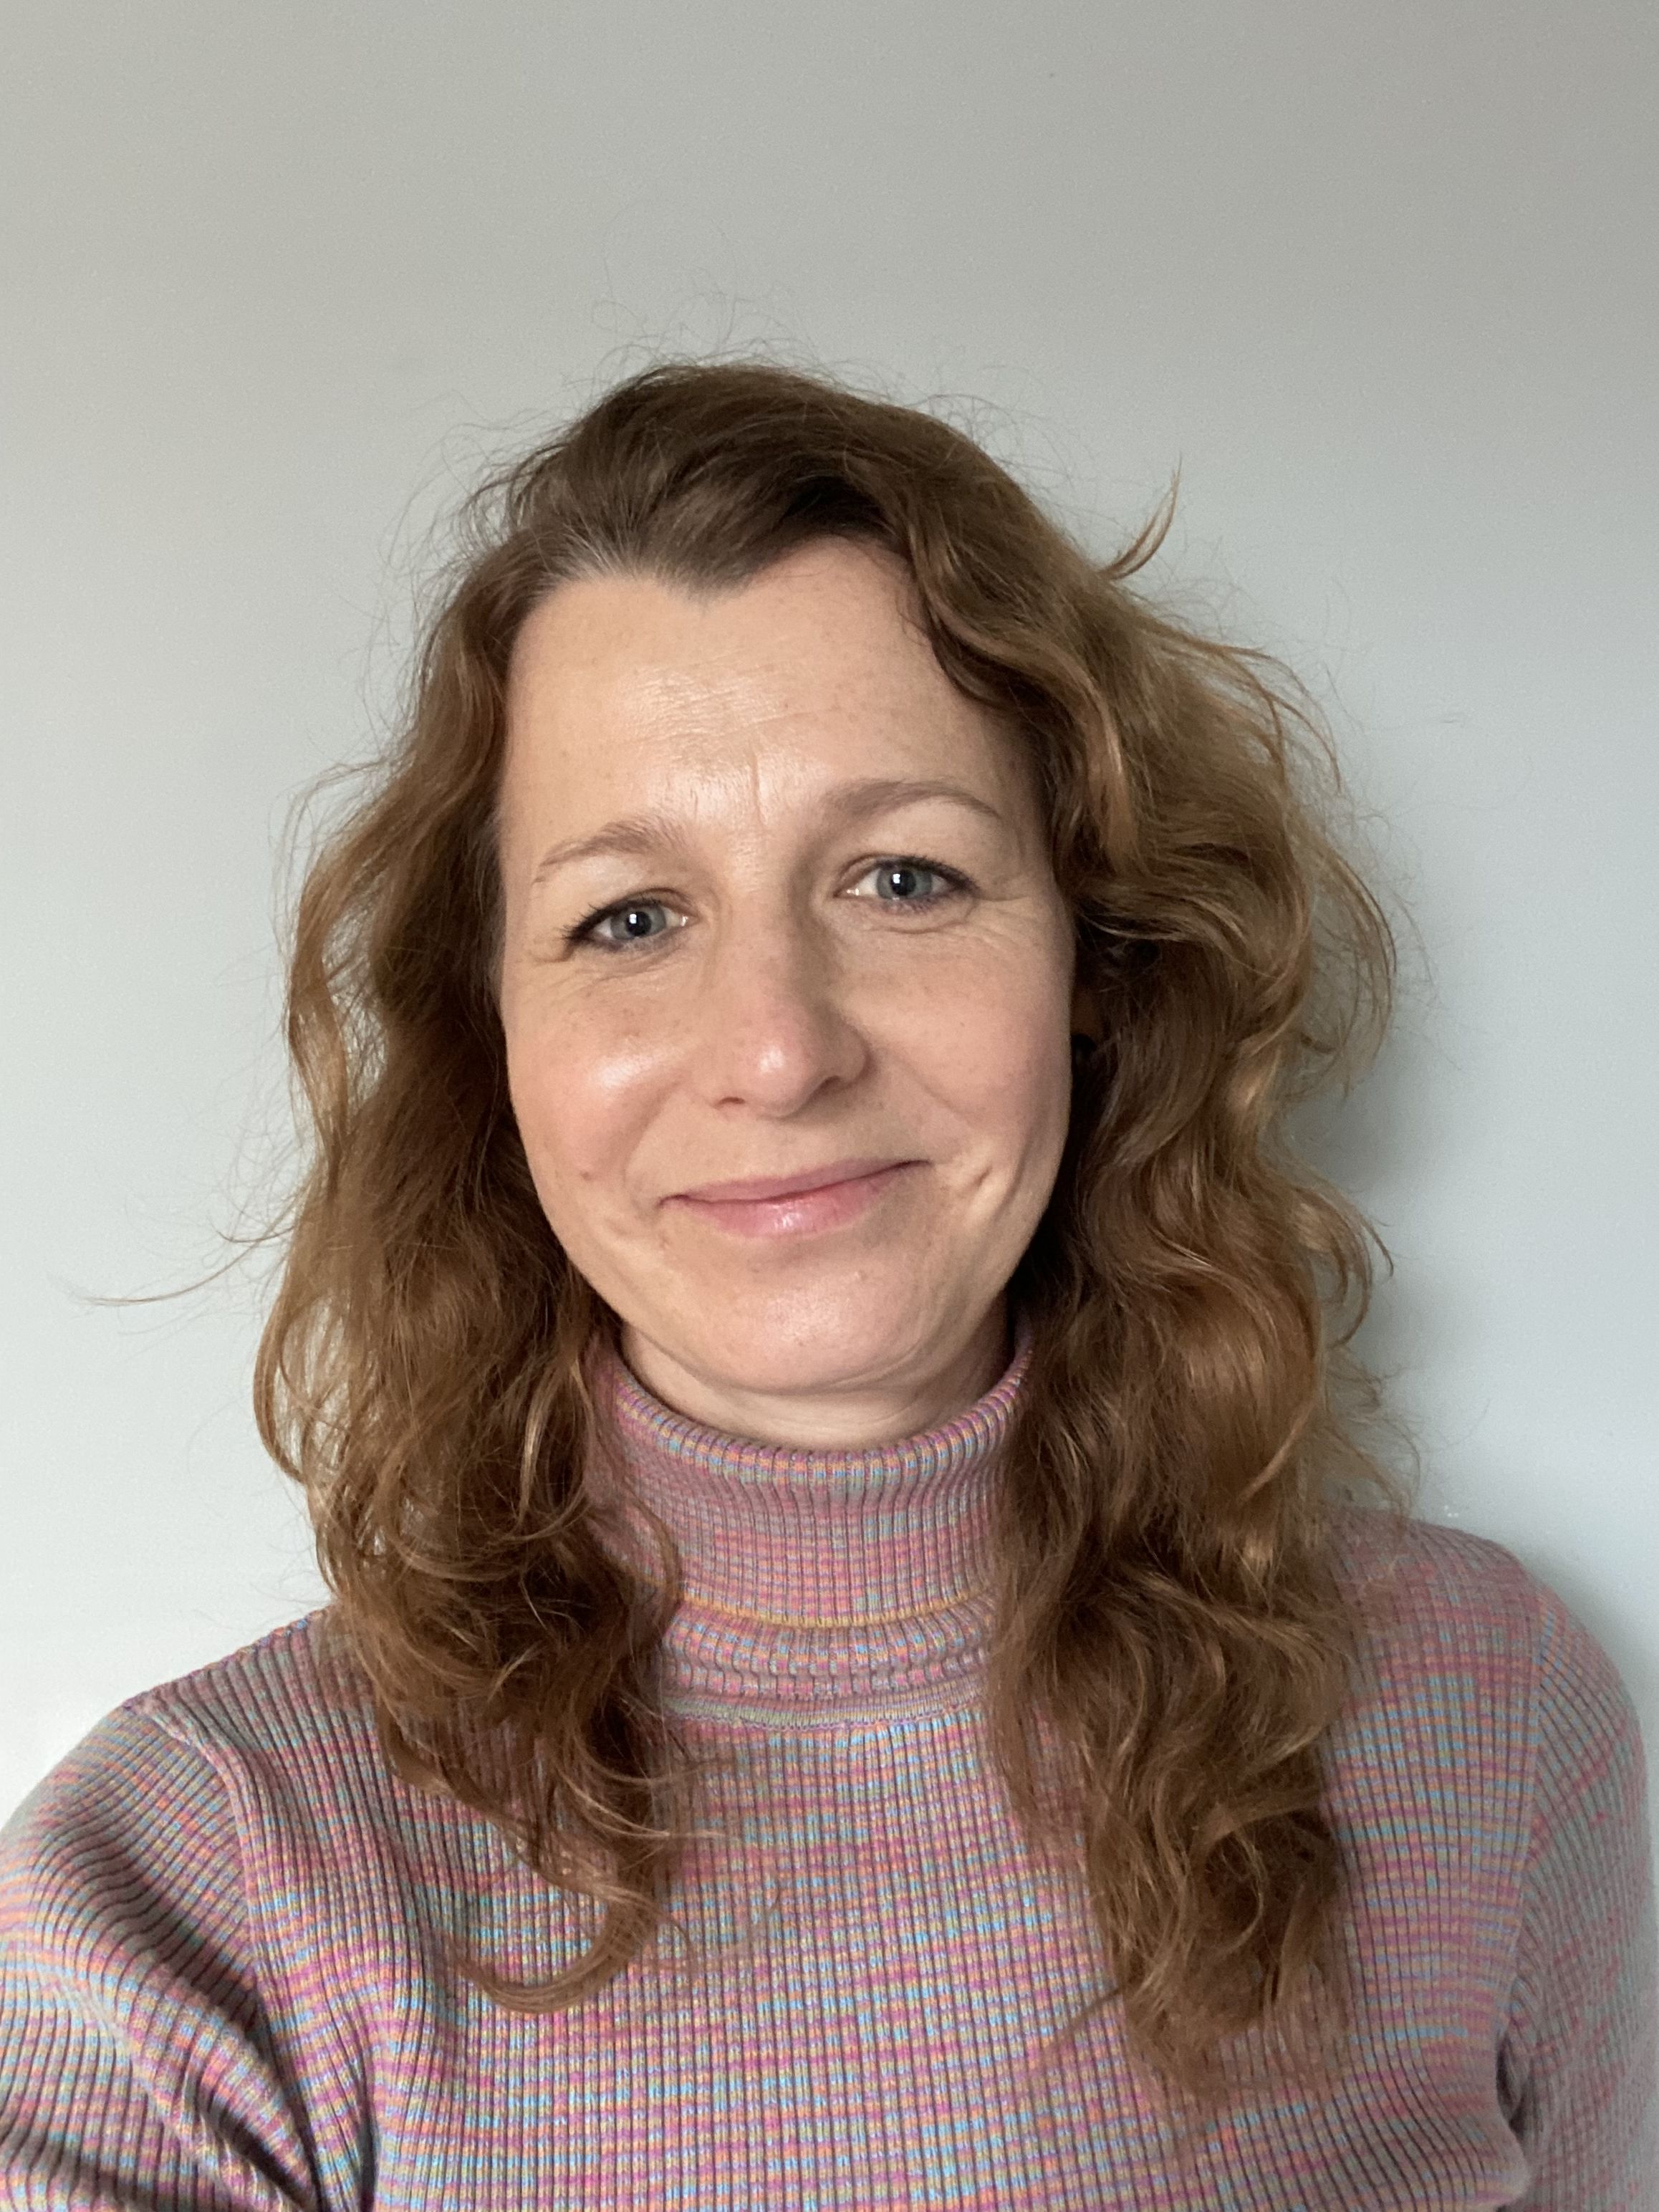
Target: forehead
{"x": 815, "y": 671}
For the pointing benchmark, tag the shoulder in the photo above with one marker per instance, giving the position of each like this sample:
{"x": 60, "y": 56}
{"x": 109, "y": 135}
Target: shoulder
{"x": 1433, "y": 1596}
{"x": 1481, "y": 1682}
{"x": 154, "y": 1894}
{"x": 1423, "y": 1571}
{"x": 153, "y": 1812}
{"x": 295, "y": 1687}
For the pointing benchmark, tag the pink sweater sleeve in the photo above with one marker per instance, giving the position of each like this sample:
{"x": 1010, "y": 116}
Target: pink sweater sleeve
{"x": 136, "y": 2071}
{"x": 1579, "y": 2064}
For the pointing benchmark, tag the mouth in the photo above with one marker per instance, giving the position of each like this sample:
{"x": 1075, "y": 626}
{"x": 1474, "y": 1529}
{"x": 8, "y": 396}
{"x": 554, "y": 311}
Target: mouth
{"x": 765, "y": 1187}
{"x": 795, "y": 1205}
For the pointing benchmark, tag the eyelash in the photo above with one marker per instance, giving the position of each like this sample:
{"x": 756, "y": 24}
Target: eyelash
{"x": 954, "y": 881}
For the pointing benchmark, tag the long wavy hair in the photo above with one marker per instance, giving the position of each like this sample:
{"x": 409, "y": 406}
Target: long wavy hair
{"x": 1172, "y": 1641}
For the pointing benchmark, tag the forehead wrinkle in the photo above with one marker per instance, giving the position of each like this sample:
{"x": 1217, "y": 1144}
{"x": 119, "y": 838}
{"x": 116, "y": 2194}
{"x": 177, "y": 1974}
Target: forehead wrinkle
{"x": 690, "y": 688}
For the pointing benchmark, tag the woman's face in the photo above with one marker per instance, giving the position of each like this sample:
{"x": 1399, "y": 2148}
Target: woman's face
{"x": 778, "y": 906}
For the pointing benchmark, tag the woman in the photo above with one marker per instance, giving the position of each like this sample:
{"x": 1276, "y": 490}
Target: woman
{"x": 868, "y": 1663}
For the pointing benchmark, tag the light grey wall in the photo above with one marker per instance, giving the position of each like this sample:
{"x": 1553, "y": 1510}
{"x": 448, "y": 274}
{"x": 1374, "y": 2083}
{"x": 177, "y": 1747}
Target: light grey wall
{"x": 1380, "y": 281}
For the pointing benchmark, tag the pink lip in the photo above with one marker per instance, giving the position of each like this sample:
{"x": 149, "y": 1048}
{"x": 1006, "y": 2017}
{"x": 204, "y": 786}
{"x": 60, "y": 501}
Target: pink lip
{"x": 796, "y": 1206}
{"x": 758, "y": 1186}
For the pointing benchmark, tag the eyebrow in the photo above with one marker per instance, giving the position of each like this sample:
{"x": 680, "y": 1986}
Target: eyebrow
{"x": 850, "y": 802}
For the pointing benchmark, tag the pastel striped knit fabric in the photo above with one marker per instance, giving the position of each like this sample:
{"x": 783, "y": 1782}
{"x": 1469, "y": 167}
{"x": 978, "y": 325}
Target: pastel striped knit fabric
{"x": 222, "y": 1917}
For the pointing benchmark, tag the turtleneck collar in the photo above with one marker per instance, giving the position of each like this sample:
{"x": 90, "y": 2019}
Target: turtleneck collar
{"x": 820, "y": 1586}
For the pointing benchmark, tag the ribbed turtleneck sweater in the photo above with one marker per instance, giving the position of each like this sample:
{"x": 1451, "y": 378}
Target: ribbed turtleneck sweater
{"x": 224, "y": 1919}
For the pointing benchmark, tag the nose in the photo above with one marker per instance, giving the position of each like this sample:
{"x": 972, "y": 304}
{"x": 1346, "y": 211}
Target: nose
{"x": 776, "y": 1023}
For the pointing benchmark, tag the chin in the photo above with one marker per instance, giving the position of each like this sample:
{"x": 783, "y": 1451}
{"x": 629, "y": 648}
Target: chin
{"x": 783, "y": 1353}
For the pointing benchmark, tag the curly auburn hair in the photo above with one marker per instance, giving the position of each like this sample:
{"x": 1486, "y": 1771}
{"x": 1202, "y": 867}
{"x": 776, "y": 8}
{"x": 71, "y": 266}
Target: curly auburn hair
{"x": 1168, "y": 1617}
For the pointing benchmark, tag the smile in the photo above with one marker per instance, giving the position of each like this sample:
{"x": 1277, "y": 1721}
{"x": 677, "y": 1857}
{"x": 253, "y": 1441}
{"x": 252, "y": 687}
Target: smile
{"x": 799, "y": 1213}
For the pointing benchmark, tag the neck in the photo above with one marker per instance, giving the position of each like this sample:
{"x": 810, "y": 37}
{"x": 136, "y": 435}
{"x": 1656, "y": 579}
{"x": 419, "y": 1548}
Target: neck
{"x": 852, "y": 1414}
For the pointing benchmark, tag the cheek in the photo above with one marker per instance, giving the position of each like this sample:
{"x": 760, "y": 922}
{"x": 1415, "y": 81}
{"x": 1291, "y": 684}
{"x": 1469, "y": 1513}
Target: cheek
{"x": 998, "y": 1055}
{"x": 580, "y": 1102}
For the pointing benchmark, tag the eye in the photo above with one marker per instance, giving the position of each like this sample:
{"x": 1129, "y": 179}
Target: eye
{"x": 633, "y": 918}
{"x": 904, "y": 882}
{"x": 903, "y": 879}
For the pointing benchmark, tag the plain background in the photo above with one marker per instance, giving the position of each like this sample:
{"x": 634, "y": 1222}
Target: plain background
{"x": 1378, "y": 281}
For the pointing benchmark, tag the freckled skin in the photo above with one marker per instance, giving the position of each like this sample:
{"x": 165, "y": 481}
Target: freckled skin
{"x": 780, "y": 1008}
